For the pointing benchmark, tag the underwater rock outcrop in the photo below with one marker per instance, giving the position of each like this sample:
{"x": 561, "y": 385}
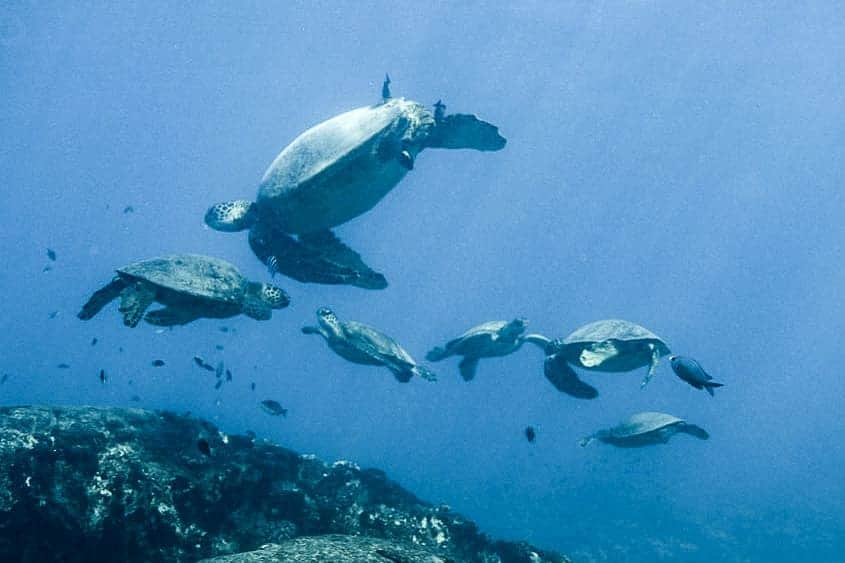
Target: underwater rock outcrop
{"x": 114, "y": 484}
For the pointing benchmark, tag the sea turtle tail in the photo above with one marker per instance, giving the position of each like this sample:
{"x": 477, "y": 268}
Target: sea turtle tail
{"x": 464, "y": 131}
{"x": 101, "y": 298}
{"x": 584, "y": 442}
{"x": 231, "y": 216}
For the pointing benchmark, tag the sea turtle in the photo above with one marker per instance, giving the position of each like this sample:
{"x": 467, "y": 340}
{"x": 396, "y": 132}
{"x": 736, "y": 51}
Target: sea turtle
{"x": 336, "y": 171}
{"x": 362, "y": 344}
{"x": 610, "y": 346}
{"x": 487, "y": 340}
{"x": 190, "y": 286}
{"x": 644, "y": 429}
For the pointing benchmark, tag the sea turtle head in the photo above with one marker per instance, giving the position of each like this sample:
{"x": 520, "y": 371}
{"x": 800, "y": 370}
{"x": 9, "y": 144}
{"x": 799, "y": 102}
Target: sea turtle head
{"x": 275, "y": 297}
{"x": 328, "y": 320}
{"x": 231, "y": 216}
{"x": 515, "y": 328}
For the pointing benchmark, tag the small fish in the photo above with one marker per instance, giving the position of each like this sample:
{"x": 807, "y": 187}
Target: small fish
{"x": 252, "y": 386}
{"x": 218, "y": 371}
{"x": 691, "y": 371}
{"x": 218, "y": 346}
{"x": 530, "y": 434}
{"x": 218, "y": 384}
{"x": 53, "y": 314}
{"x": 224, "y": 329}
{"x": 273, "y": 408}
{"x": 63, "y": 366}
{"x": 51, "y": 254}
{"x": 228, "y": 375}
{"x": 159, "y": 331}
{"x": 120, "y": 349}
{"x": 103, "y": 377}
{"x": 4, "y": 378}
{"x": 204, "y": 447}
{"x": 158, "y": 363}
{"x": 199, "y": 361}
{"x": 47, "y": 268}
{"x": 131, "y": 381}
{"x": 217, "y": 402}
{"x": 94, "y": 341}
{"x": 128, "y": 209}
{"x": 272, "y": 266}
{"x": 135, "y": 398}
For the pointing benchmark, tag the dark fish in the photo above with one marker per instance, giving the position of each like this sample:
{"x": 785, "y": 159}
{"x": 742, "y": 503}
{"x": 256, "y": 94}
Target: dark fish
{"x": 135, "y": 398}
{"x": 204, "y": 447}
{"x": 272, "y": 407}
{"x": 120, "y": 349}
{"x": 199, "y": 361}
{"x": 47, "y": 268}
{"x": 252, "y": 386}
{"x": 224, "y": 329}
{"x": 218, "y": 384}
{"x": 691, "y": 371}
{"x": 53, "y": 314}
{"x": 51, "y": 254}
{"x": 228, "y": 375}
{"x": 128, "y": 209}
{"x": 218, "y": 371}
{"x": 103, "y": 377}
{"x": 4, "y": 378}
{"x": 63, "y": 366}
{"x": 530, "y": 434}
{"x": 218, "y": 346}
{"x": 158, "y": 363}
{"x": 131, "y": 381}
{"x": 94, "y": 341}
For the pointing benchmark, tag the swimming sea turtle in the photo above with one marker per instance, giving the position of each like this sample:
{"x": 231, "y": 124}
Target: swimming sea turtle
{"x": 336, "y": 171}
{"x": 494, "y": 338}
{"x": 190, "y": 286}
{"x": 363, "y": 344}
{"x": 610, "y": 346}
{"x": 644, "y": 429}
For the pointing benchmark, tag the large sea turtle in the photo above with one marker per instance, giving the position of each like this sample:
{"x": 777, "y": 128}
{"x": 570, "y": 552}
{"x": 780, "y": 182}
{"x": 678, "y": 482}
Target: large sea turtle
{"x": 611, "y": 345}
{"x": 487, "y": 340}
{"x": 190, "y": 286}
{"x": 645, "y": 429}
{"x": 336, "y": 171}
{"x": 362, "y": 344}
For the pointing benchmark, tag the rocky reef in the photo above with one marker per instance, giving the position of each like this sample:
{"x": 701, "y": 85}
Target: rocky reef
{"x": 113, "y": 484}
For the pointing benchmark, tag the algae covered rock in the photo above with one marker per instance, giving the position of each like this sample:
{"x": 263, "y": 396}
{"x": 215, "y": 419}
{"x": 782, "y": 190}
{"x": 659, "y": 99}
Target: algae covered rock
{"x": 113, "y": 484}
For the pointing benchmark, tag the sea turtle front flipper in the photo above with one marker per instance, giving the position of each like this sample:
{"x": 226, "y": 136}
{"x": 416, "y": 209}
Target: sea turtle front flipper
{"x": 655, "y": 358}
{"x": 101, "y": 298}
{"x": 170, "y": 316}
{"x": 255, "y": 307}
{"x": 463, "y": 131}
{"x": 695, "y": 430}
{"x": 563, "y": 377}
{"x": 468, "y": 366}
{"x": 134, "y": 300}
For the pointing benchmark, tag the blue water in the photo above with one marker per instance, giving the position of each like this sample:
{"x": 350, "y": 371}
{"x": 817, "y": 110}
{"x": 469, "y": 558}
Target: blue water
{"x": 676, "y": 164}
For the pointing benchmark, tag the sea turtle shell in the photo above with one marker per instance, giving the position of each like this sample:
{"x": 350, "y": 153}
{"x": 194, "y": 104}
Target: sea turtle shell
{"x": 642, "y": 423}
{"x": 359, "y": 335}
{"x": 191, "y": 274}
{"x": 630, "y": 341}
{"x": 342, "y": 167}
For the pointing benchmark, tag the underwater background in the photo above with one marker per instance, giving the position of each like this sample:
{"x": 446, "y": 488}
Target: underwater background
{"x": 678, "y": 165}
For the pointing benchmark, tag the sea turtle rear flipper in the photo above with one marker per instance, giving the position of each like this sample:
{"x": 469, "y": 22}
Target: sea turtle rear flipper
{"x": 468, "y": 366}
{"x": 134, "y": 300}
{"x": 565, "y": 380}
{"x": 694, "y": 430}
{"x": 315, "y": 258}
{"x": 101, "y": 298}
{"x": 463, "y": 131}
{"x": 171, "y": 316}
{"x": 655, "y": 358}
